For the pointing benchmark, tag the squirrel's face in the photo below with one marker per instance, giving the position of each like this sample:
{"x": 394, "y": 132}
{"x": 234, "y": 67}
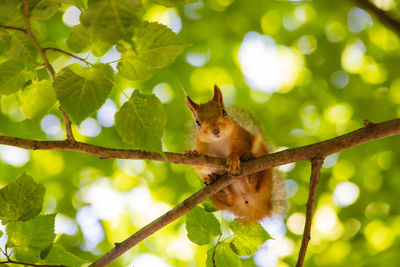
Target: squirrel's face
{"x": 212, "y": 121}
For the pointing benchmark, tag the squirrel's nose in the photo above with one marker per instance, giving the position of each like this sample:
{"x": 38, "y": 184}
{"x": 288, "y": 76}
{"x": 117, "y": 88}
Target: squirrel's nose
{"x": 216, "y": 131}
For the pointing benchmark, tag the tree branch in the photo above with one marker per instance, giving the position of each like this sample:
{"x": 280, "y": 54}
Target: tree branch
{"x": 383, "y": 16}
{"x": 318, "y": 150}
{"x": 316, "y": 165}
{"x": 28, "y": 32}
{"x": 68, "y": 129}
{"x": 48, "y": 66}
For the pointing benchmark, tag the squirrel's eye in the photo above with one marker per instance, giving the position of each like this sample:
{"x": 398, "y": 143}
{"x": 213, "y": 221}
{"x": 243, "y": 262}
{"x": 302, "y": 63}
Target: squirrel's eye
{"x": 224, "y": 113}
{"x": 197, "y": 122}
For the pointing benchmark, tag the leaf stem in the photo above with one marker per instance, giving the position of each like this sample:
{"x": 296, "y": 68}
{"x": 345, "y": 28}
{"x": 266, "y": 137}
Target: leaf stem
{"x": 66, "y": 53}
{"x": 13, "y": 28}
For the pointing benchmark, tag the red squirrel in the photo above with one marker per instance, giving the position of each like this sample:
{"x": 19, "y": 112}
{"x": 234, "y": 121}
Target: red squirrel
{"x": 217, "y": 134}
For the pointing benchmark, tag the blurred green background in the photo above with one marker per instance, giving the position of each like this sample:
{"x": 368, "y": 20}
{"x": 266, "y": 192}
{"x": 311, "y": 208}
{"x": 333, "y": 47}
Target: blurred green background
{"x": 307, "y": 70}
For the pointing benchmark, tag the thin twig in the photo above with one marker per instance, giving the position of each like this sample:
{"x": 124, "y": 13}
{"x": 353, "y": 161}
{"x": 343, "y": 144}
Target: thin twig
{"x": 66, "y": 53}
{"x": 316, "y": 165}
{"x": 13, "y": 28}
{"x": 382, "y": 15}
{"x": 47, "y": 65}
{"x": 29, "y": 264}
{"x": 68, "y": 129}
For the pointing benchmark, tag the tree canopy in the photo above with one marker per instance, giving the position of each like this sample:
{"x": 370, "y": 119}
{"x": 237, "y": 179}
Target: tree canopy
{"x": 306, "y": 71}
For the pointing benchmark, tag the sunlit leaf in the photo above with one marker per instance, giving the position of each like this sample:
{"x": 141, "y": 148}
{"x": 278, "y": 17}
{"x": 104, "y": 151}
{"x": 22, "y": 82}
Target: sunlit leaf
{"x": 156, "y": 46}
{"x": 10, "y": 14}
{"x": 247, "y": 238}
{"x": 201, "y": 226}
{"x": 78, "y": 3}
{"x": 134, "y": 68}
{"x": 81, "y": 40}
{"x": 82, "y": 91}
{"x": 171, "y": 3}
{"x": 112, "y": 20}
{"x": 22, "y": 48}
{"x": 58, "y": 256}
{"x": 43, "y": 9}
{"x": 21, "y": 200}
{"x": 28, "y": 239}
{"x": 222, "y": 255}
{"x": 37, "y": 99}
{"x": 141, "y": 121}
{"x": 11, "y": 77}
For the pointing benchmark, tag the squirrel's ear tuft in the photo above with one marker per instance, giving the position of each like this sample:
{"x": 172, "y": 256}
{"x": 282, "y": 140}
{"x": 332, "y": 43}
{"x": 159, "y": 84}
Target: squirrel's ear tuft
{"x": 191, "y": 104}
{"x": 218, "y": 95}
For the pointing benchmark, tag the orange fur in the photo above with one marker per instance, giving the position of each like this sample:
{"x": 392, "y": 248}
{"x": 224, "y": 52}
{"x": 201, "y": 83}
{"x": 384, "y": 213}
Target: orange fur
{"x": 219, "y": 135}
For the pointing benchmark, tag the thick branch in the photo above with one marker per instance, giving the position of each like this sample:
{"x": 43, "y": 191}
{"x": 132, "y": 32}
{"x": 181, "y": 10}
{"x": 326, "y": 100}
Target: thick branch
{"x": 318, "y": 150}
{"x": 316, "y": 165}
{"x": 315, "y": 151}
{"x": 383, "y": 16}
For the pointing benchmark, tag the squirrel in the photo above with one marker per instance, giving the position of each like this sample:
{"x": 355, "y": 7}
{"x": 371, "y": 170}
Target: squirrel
{"x": 254, "y": 196}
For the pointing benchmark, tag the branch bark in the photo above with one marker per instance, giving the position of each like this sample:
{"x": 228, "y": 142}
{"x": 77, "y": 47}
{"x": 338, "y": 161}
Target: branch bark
{"x": 382, "y": 15}
{"x": 320, "y": 150}
{"x": 316, "y": 165}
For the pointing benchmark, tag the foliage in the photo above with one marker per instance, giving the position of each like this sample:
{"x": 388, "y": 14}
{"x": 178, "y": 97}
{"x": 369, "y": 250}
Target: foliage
{"x": 319, "y": 70}
{"x": 29, "y": 235}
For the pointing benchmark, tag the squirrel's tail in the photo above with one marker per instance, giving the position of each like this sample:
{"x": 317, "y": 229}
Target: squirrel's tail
{"x": 278, "y": 195}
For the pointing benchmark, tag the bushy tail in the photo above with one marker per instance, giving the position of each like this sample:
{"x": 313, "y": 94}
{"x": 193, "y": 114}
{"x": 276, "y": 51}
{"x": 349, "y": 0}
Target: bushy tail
{"x": 278, "y": 195}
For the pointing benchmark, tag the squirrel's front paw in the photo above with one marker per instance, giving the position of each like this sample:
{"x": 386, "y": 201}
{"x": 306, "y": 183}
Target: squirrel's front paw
{"x": 191, "y": 153}
{"x": 247, "y": 156}
{"x": 209, "y": 179}
{"x": 233, "y": 164}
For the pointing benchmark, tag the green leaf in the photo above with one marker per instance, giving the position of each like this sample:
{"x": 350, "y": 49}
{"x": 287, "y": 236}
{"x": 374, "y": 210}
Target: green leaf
{"x": 200, "y": 225}
{"x": 141, "y": 121}
{"x": 112, "y": 20}
{"x": 208, "y": 205}
{"x": 37, "y": 99}
{"x": 1, "y": 233}
{"x": 43, "y": 9}
{"x": 28, "y": 239}
{"x": 156, "y": 46}
{"x": 22, "y": 49}
{"x": 133, "y": 68}
{"x": 21, "y": 200}
{"x": 78, "y": 3}
{"x": 58, "y": 256}
{"x": 223, "y": 256}
{"x": 10, "y": 14}
{"x": 81, "y": 40}
{"x": 11, "y": 77}
{"x": 171, "y": 3}
{"x": 82, "y": 91}
{"x": 248, "y": 238}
